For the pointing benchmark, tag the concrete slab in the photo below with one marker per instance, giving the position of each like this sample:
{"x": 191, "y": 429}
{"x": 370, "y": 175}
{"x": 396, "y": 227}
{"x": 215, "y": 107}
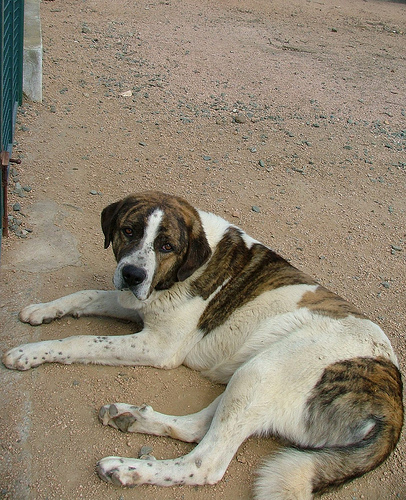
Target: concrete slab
{"x": 32, "y": 54}
{"x": 51, "y": 248}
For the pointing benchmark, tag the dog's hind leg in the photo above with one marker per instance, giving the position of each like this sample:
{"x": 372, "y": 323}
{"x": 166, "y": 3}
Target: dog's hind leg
{"x": 239, "y": 413}
{"x": 143, "y": 419}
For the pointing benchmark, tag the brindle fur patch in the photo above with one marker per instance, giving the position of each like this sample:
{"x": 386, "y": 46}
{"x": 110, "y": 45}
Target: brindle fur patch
{"x": 249, "y": 271}
{"x": 181, "y": 227}
{"x": 351, "y": 394}
{"x": 134, "y": 210}
{"x": 322, "y": 301}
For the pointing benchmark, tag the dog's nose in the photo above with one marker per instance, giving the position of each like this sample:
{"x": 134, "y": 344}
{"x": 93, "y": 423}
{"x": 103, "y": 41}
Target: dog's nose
{"x": 132, "y": 275}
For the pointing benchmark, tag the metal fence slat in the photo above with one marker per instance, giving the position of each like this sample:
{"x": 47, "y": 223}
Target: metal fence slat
{"x": 11, "y": 78}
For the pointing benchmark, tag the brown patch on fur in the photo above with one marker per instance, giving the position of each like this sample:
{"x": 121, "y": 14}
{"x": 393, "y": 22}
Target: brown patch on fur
{"x": 350, "y": 396}
{"x": 322, "y": 301}
{"x": 243, "y": 274}
{"x": 181, "y": 227}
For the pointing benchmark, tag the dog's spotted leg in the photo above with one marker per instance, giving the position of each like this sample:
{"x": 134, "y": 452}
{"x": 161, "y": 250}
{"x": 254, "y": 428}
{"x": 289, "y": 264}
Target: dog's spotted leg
{"x": 206, "y": 464}
{"x": 143, "y": 419}
{"x": 240, "y": 412}
{"x": 144, "y": 348}
{"x": 83, "y": 303}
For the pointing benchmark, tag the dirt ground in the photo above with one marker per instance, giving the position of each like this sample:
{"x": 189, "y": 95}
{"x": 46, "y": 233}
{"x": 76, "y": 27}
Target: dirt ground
{"x": 287, "y": 118}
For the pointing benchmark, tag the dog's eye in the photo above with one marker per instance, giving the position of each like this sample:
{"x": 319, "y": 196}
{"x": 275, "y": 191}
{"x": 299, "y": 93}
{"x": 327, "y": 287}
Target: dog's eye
{"x": 128, "y": 231}
{"x": 166, "y": 248}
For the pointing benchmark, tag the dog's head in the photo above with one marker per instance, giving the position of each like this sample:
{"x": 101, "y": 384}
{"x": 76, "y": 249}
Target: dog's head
{"x": 157, "y": 239}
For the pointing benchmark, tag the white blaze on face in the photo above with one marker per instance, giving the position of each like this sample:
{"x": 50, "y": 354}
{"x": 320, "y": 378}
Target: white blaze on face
{"x": 143, "y": 256}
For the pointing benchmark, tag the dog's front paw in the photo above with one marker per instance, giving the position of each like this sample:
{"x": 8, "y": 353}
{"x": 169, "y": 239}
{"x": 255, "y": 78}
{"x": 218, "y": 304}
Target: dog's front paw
{"x": 24, "y": 357}
{"x": 36, "y": 314}
{"x": 119, "y": 471}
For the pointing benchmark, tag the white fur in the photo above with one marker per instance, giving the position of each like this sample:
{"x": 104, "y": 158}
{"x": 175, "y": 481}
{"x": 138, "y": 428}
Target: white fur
{"x": 285, "y": 477}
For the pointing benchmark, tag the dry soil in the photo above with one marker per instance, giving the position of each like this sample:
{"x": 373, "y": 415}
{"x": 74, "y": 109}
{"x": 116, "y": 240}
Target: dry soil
{"x": 287, "y": 118}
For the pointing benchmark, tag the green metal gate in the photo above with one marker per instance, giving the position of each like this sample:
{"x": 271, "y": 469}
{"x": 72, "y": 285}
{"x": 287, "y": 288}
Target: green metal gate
{"x": 11, "y": 87}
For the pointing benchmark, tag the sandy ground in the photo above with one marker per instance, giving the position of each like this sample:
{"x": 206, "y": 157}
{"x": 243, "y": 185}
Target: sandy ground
{"x": 287, "y": 118}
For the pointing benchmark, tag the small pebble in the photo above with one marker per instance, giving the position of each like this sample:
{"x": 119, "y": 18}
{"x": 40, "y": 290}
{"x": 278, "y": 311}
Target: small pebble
{"x": 145, "y": 450}
{"x": 239, "y": 118}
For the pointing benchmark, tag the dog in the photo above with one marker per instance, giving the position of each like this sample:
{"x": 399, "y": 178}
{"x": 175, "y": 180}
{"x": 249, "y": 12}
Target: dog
{"x": 299, "y": 362}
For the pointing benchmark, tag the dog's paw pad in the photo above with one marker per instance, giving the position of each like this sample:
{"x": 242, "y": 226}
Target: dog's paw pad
{"x": 118, "y": 471}
{"x": 119, "y": 416}
{"x": 19, "y": 358}
{"x": 36, "y": 314}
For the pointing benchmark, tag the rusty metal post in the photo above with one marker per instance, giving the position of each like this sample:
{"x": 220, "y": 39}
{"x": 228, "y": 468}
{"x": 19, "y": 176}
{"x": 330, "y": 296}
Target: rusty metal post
{"x": 5, "y": 160}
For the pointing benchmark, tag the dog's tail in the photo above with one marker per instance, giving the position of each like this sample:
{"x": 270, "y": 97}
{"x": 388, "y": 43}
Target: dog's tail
{"x": 295, "y": 474}
{"x": 373, "y": 423}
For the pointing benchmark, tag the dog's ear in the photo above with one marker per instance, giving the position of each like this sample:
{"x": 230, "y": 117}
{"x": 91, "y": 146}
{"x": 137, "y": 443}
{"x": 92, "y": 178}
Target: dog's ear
{"x": 108, "y": 220}
{"x": 197, "y": 254}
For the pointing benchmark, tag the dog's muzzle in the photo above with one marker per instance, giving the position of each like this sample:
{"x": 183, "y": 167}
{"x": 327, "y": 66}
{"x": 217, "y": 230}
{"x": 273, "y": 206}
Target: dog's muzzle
{"x": 133, "y": 276}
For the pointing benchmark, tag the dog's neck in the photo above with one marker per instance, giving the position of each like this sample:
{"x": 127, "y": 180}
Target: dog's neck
{"x": 214, "y": 227}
